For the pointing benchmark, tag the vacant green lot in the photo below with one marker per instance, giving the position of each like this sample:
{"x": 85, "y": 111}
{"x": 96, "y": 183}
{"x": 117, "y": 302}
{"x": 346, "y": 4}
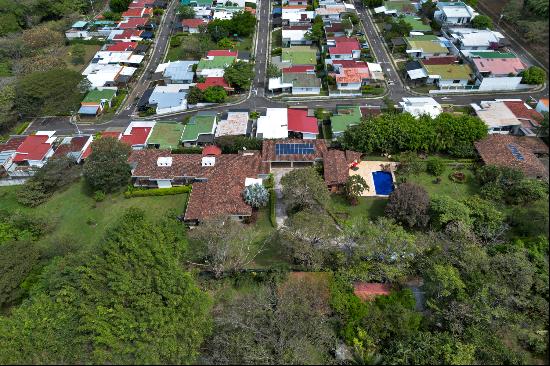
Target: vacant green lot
{"x": 81, "y": 219}
{"x": 371, "y": 207}
{"x": 90, "y": 49}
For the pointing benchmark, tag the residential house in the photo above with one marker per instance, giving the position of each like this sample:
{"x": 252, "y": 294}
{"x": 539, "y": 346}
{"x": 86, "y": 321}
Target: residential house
{"x": 345, "y": 117}
{"x": 137, "y": 13}
{"x": 530, "y": 119}
{"x": 469, "y": 39}
{"x": 297, "y": 2}
{"x": 165, "y": 135}
{"x": 203, "y": 13}
{"x": 292, "y": 17}
{"x": 497, "y": 71}
{"x": 350, "y": 76}
{"x": 447, "y": 75}
{"x": 416, "y": 73}
{"x": 376, "y": 72}
{"x": 343, "y": 48}
{"x": 292, "y": 153}
{"x": 73, "y": 147}
{"x": 78, "y": 30}
{"x": 298, "y": 80}
{"x": 453, "y": 13}
{"x": 331, "y": 12}
{"x": 295, "y": 35}
{"x": 336, "y": 168}
{"x": 215, "y": 62}
{"x": 273, "y": 124}
{"x": 225, "y": 12}
{"x": 7, "y": 152}
{"x": 542, "y": 105}
{"x": 370, "y": 291}
{"x": 32, "y": 154}
{"x": 134, "y": 23}
{"x": 126, "y": 35}
{"x": 121, "y": 47}
{"x": 198, "y": 3}
{"x": 177, "y": 72}
{"x": 138, "y": 4}
{"x": 192, "y": 25}
{"x": 234, "y": 123}
{"x": 137, "y": 133}
{"x": 516, "y": 152}
{"x": 100, "y": 75}
{"x": 168, "y": 99}
{"x": 217, "y": 180}
{"x": 416, "y": 24}
{"x": 212, "y": 81}
{"x": 421, "y": 106}
{"x": 301, "y": 125}
{"x": 96, "y": 101}
{"x": 337, "y": 29}
{"x": 200, "y": 129}
{"x": 424, "y": 46}
{"x": 498, "y": 117}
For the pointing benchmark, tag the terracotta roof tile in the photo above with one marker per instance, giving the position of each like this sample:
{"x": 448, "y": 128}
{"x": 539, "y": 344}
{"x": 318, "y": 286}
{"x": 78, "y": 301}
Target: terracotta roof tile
{"x": 521, "y": 111}
{"x": 369, "y": 291}
{"x": 269, "y": 153}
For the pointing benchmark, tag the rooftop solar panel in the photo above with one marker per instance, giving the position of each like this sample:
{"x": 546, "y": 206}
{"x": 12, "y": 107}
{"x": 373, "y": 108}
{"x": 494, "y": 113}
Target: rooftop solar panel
{"x": 294, "y": 149}
{"x": 514, "y": 150}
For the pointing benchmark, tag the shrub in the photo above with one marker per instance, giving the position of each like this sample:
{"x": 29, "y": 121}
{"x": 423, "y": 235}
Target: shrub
{"x": 445, "y": 210}
{"x": 435, "y": 166}
{"x": 269, "y": 182}
{"x": 527, "y": 190}
{"x": 157, "y": 192}
{"x": 355, "y": 185}
{"x": 187, "y": 150}
{"x": 457, "y": 177}
{"x": 99, "y": 196}
{"x": 272, "y": 202}
{"x": 409, "y": 163}
{"x": 256, "y": 195}
{"x": 409, "y": 204}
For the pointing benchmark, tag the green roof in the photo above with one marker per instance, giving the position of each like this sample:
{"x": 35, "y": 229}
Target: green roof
{"x": 427, "y": 43}
{"x": 300, "y": 55}
{"x": 450, "y": 72}
{"x": 217, "y": 62}
{"x": 199, "y": 124}
{"x": 346, "y": 117}
{"x": 402, "y": 6}
{"x": 302, "y": 80}
{"x": 96, "y": 95}
{"x": 416, "y": 24}
{"x": 166, "y": 134}
{"x": 487, "y": 54}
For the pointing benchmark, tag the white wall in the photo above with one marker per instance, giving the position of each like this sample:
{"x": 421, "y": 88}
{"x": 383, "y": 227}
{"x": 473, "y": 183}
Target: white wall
{"x": 505, "y": 83}
{"x": 301, "y": 91}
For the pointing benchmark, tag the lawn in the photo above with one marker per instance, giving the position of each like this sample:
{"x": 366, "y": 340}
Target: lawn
{"x": 271, "y": 254}
{"x": 277, "y": 39}
{"x": 446, "y": 186}
{"x": 90, "y": 49}
{"x": 81, "y": 219}
{"x": 371, "y": 207}
{"x": 245, "y": 44}
{"x": 186, "y": 46}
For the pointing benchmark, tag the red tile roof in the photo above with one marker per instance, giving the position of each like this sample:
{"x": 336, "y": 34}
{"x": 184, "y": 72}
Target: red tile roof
{"x": 214, "y": 81}
{"x": 137, "y": 136}
{"x": 336, "y": 165}
{"x": 495, "y": 150}
{"x": 192, "y": 23}
{"x": 351, "y": 63}
{"x": 222, "y": 53}
{"x": 128, "y": 33}
{"x": 132, "y": 23}
{"x": 76, "y": 145}
{"x": 298, "y": 68}
{"x": 440, "y": 60}
{"x": 12, "y": 144}
{"x": 112, "y": 134}
{"x": 133, "y": 13}
{"x": 122, "y": 46}
{"x": 34, "y": 147}
{"x": 211, "y": 150}
{"x": 521, "y": 111}
{"x": 369, "y": 291}
{"x": 299, "y": 121}
{"x": 140, "y": 3}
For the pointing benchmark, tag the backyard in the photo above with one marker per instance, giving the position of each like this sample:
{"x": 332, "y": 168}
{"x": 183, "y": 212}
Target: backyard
{"x": 187, "y": 46}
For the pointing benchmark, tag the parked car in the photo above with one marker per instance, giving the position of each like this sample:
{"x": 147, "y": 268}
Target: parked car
{"x": 360, "y": 33}
{"x": 364, "y": 45}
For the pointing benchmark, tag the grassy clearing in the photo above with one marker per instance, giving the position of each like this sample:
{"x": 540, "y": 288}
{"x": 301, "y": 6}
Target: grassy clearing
{"x": 245, "y": 44}
{"x": 446, "y": 186}
{"x": 277, "y": 39}
{"x": 371, "y": 207}
{"x": 81, "y": 219}
{"x": 272, "y": 253}
{"x": 90, "y": 52}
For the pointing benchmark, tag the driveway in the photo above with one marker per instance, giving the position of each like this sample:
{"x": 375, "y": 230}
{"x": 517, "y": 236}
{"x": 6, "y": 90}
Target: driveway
{"x": 280, "y": 207}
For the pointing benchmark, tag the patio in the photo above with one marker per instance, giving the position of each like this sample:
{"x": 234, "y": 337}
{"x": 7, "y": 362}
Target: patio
{"x": 365, "y": 170}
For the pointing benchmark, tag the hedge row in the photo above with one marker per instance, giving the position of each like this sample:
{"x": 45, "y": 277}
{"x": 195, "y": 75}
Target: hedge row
{"x": 272, "y": 201}
{"x": 157, "y": 192}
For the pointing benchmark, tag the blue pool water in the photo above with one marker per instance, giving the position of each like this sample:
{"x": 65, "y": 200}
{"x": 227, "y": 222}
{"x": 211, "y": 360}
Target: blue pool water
{"x": 383, "y": 182}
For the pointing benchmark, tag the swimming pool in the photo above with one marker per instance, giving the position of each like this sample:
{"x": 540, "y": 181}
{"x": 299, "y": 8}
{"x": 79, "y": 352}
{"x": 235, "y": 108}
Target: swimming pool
{"x": 383, "y": 182}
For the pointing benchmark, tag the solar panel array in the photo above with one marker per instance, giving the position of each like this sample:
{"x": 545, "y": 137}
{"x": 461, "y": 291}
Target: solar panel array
{"x": 294, "y": 149}
{"x": 514, "y": 149}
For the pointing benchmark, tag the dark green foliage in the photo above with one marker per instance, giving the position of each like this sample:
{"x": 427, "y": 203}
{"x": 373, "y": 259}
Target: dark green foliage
{"x": 410, "y": 163}
{"x": 38, "y": 93}
{"x": 55, "y": 175}
{"x": 488, "y": 221}
{"x": 234, "y": 144}
{"x": 435, "y": 166}
{"x": 409, "y": 204}
{"x": 482, "y": 22}
{"x": 131, "y": 302}
{"x": 186, "y": 12}
{"x": 242, "y": 24}
{"x": 17, "y": 226}
{"x": 214, "y": 94}
{"x": 445, "y": 210}
{"x": 119, "y": 6}
{"x": 355, "y": 185}
{"x": 317, "y": 31}
{"x": 107, "y": 167}
{"x": 373, "y": 3}
{"x": 304, "y": 188}
{"x": 195, "y": 95}
{"x": 156, "y": 192}
{"x": 17, "y": 260}
{"x": 393, "y": 132}
{"x": 239, "y": 75}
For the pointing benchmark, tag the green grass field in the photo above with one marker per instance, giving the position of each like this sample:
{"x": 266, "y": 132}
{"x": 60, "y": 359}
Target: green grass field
{"x": 371, "y": 207}
{"x": 446, "y": 186}
{"x": 90, "y": 52}
{"x": 83, "y": 220}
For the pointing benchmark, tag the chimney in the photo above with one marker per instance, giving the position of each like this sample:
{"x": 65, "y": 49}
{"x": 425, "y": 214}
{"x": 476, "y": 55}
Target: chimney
{"x": 164, "y": 161}
{"x": 208, "y": 161}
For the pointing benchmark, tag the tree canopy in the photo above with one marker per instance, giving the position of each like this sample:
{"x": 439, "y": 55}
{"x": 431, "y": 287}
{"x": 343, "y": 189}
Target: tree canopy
{"x": 107, "y": 167}
{"x": 239, "y": 75}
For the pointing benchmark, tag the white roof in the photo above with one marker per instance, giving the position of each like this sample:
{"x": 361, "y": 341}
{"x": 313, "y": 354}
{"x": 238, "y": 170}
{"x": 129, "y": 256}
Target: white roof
{"x": 222, "y": 14}
{"x": 251, "y": 181}
{"x": 135, "y": 59}
{"x": 236, "y": 124}
{"x": 375, "y": 71}
{"x": 294, "y": 34}
{"x": 127, "y": 70}
{"x": 475, "y": 37}
{"x": 108, "y": 57}
{"x": 421, "y": 106}
{"x": 99, "y": 75}
{"x": 296, "y": 16}
{"x": 456, "y": 11}
{"x": 133, "y": 124}
{"x": 274, "y": 125}
{"x": 162, "y": 67}
{"x": 277, "y": 83}
{"x": 212, "y": 73}
{"x": 497, "y": 114}
{"x": 417, "y": 74}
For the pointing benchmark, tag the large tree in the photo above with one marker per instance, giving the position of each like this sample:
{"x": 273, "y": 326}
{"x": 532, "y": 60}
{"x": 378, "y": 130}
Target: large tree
{"x": 186, "y": 12}
{"x": 239, "y": 75}
{"x": 409, "y": 204}
{"x": 304, "y": 188}
{"x": 131, "y": 302}
{"x": 107, "y": 167}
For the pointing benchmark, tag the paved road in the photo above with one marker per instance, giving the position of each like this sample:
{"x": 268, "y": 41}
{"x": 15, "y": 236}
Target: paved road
{"x": 256, "y": 99}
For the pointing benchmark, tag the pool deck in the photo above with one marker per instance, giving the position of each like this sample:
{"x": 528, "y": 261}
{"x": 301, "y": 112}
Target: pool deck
{"x": 366, "y": 168}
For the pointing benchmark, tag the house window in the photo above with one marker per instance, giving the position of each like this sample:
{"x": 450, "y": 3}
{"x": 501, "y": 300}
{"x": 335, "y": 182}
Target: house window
{"x": 456, "y": 81}
{"x": 344, "y": 84}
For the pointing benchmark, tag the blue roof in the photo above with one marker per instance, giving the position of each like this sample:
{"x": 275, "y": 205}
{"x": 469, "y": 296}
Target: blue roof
{"x": 277, "y": 11}
{"x": 5, "y": 155}
{"x": 88, "y": 110}
{"x": 167, "y": 100}
{"x": 180, "y": 70}
{"x": 80, "y": 24}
